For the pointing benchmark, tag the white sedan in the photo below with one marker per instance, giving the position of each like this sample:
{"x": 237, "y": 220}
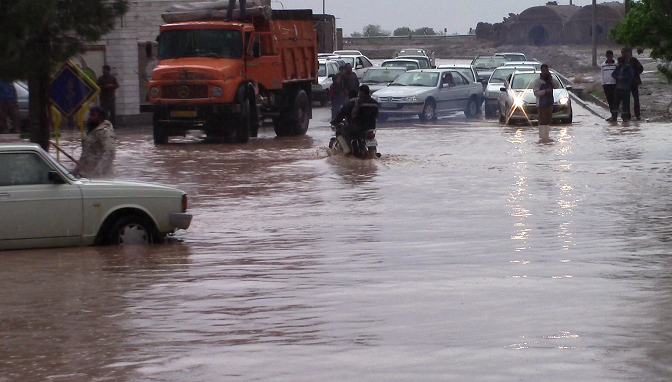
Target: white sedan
{"x": 43, "y": 205}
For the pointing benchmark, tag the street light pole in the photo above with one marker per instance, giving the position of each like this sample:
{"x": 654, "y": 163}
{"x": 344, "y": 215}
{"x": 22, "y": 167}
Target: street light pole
{"x": 594, "y": 29}
{"x": 324, "y": 5}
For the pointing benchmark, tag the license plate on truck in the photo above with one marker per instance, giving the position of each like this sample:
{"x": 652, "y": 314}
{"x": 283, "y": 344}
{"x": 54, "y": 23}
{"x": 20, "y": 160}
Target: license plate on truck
{"x": 371, "y": 143}
{"x": 184, "y": 114}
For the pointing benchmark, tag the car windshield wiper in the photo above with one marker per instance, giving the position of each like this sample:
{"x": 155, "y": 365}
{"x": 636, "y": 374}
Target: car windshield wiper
{"x": 418, "y": 84}
{"x": 396, "y": 84}
{"x": 215, "y": 55}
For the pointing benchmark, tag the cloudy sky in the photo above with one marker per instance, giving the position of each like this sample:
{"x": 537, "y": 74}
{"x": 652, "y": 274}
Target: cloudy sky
{"x": 456, "y": 15}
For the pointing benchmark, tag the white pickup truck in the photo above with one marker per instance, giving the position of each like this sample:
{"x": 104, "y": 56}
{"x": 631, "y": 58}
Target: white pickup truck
{"x": 43, "y": 205}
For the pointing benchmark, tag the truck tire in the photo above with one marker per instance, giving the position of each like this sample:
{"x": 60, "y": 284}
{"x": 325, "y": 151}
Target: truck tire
{"x": 295, "y": 121}
{"x": 159, "y": 131}
{"x": 243, "y": 129}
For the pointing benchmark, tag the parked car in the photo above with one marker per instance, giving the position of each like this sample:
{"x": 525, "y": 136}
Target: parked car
{"x": 535, "y": 64}
{"x": 347, "y": 53}
{"x": 408, "y": 64}
{"x": 517, "y": 101}
{"x": 325, "y": 69}
{"x": 429, "y": 92}
{"x": 22, "y": 98}
{"x": 512, "y": 56}
{"x": 43, "y": 205}
{"x": 425, "y": 62}
{"x": 485, "y": 65}
{"x": 360, "y": 64}
{"x": 379, "y": 78}
{"x": 497, "y": 80}
{"x": 467, "y": 71}
{"x": 417, "y": 52}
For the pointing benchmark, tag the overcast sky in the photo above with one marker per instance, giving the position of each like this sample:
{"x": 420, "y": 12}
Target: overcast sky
{"x": 456, "y": 15}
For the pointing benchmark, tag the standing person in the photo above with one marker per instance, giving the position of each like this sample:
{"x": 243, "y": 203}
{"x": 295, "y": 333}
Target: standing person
{"x": 624, "y": 76}
{"x": 349, "y": 79}
{"x": 232, "y": 5}
{"x": 98, "y": 148}
{"x": 337, "y": 95}
{"x": 543, "y": 89}
{"x": 9, "y": 107}
{"x": 108, "y": 84}
{"x": 609, "y": 82}
{"x": 637, "y": 69}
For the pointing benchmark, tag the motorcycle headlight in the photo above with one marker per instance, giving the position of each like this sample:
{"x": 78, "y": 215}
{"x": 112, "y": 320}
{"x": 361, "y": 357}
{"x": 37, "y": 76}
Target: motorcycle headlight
{"x": 154, "y": 92}
{"x": 518, "y": 102}
{"x": 564, "y": 100}
{"x": 217, "y": 92}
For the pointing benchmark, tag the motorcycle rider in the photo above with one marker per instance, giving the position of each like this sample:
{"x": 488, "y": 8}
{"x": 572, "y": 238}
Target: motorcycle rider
{"x": 345, "y": 114}
{"x": 365, "y": 112}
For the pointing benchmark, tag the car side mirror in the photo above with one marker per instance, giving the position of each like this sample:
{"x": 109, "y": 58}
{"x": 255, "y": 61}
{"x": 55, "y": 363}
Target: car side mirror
{"x": 55, "y": 178}
{"x": 569, "y": 88}
{"x": 502, "y": 89}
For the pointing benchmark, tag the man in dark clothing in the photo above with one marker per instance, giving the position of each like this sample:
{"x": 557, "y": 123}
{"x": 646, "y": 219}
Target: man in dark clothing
{"x": 365, "y": 112}
{"x": 624, "y": 76}
{"x": 337, "y": 95}
{"x": 345, "y": 114}
{"x": 232, "y": 5}
{"x": 349, "y": 79}
{"x": 9, "y": 107}
{"x": 637, "y": 69}
{"x": 108, "y": 84}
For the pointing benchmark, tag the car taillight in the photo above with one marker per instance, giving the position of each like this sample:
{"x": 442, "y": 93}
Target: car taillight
{"x": 370, "y": 134}
{"x": 185, "y": 203}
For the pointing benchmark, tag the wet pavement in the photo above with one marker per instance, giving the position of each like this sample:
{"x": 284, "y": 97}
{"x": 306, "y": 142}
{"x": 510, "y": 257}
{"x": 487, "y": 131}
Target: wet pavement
{"x": 468, "y": 252}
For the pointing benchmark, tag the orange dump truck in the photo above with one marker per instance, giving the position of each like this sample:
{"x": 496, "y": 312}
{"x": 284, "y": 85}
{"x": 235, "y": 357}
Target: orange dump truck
{"x": 223, "y": 77}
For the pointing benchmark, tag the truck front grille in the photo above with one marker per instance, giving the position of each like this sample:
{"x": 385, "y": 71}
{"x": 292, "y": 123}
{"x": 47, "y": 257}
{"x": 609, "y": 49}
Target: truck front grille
{"x": 184, "y": 91}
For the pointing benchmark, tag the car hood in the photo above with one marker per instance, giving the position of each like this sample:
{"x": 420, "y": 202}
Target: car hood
{"x": 529, "y": 96}
{"x": 122, "y": 188}
{"x": 403, "y": 91}
{"x": 375, "y": 86}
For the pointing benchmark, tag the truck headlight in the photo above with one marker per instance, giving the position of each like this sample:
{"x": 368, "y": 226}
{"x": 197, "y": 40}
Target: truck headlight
{"x": 564, "y": 100}
{"x": 217, "y": 92}
{"x": 154, "y": 92}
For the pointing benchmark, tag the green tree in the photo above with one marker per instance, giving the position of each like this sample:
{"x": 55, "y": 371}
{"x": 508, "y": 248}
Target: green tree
{"x": 648, "y": 24}
{"x": 403, "y": 31}
{"x": 375, "y": 30}
{"x": 421, "y": 31}
{"x": 38, "y": 35}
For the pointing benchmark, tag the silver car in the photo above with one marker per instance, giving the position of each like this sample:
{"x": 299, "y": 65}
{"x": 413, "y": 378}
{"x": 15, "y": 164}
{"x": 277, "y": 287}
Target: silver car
{"x": 379, "y": 78}
{"x": 517, "y": 101}
{"x": 466, "y": 70}
{"x": 408, "y": 64}
{"x": 496, "y": 81}
{"x": 22, "y": 98}
{"x": 429, "y": 92}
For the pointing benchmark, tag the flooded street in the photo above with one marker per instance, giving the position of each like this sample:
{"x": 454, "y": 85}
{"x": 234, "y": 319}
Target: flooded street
{"x": 468, "y": 252}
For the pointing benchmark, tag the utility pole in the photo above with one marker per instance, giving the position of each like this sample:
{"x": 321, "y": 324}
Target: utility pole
{"x": 627, "y": 7}
{"x": 594, "y": 30}
{"x": 324, "y": 6}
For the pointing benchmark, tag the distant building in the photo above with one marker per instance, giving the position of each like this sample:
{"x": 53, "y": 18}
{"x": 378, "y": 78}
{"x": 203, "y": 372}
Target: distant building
{"x": 559, "y": 24}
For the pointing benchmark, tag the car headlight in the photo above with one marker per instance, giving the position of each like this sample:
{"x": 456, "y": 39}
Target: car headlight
{"x": 217, "y": 92}
{"x": 564, "y": 100}
{"x": 518, "y": 102}
{"x": 154, "y": 92}
{"x": 412, "y": 98}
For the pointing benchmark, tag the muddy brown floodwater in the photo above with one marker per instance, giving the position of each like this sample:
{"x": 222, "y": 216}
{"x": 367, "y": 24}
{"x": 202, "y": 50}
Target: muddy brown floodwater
{"x": 468, "y": 252}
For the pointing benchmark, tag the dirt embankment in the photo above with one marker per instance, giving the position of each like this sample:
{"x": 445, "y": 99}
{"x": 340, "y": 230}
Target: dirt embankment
{"x": 574, "y": 61}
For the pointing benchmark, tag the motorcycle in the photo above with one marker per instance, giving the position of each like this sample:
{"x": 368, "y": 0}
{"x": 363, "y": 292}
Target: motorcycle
{"x": 363, "y": 145}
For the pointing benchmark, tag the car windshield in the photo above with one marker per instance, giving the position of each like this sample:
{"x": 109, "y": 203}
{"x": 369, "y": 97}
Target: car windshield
{"x": 217, "y": 43}
{"x": 409, "y": 52}
{"x": 417, "y": 79}
{"x": 322, "y": 70}
{"x": 488, "y": 62}
{"x": 349, "y": 60}
{"x": 524, "y": 80}
{"x": 515, "y": 57}
{"x": 408, "y": 65}
{"x": 377, "y": 76}
{"x": 499, "y": 75}
{"x": 58, "y": 165}
{"x": 424, "y": 62}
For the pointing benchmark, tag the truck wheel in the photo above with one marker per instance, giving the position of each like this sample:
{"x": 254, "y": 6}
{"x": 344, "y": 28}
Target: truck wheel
{"x": 243, "y": 130}
{"x": 300, "y": 113}
{"x": 160, "y": 136}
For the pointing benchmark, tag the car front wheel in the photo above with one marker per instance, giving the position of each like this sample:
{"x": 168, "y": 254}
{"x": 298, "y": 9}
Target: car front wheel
{"x": 428, "y": 112}
{"x": 131, "y": 230}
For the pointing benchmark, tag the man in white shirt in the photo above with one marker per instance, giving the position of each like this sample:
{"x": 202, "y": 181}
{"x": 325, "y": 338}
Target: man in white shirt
{"x": 609, "y": 82}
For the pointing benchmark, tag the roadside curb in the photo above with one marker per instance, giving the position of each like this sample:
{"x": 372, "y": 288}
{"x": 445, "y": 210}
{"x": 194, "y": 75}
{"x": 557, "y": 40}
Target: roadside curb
{"x": 596, "y": 110}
